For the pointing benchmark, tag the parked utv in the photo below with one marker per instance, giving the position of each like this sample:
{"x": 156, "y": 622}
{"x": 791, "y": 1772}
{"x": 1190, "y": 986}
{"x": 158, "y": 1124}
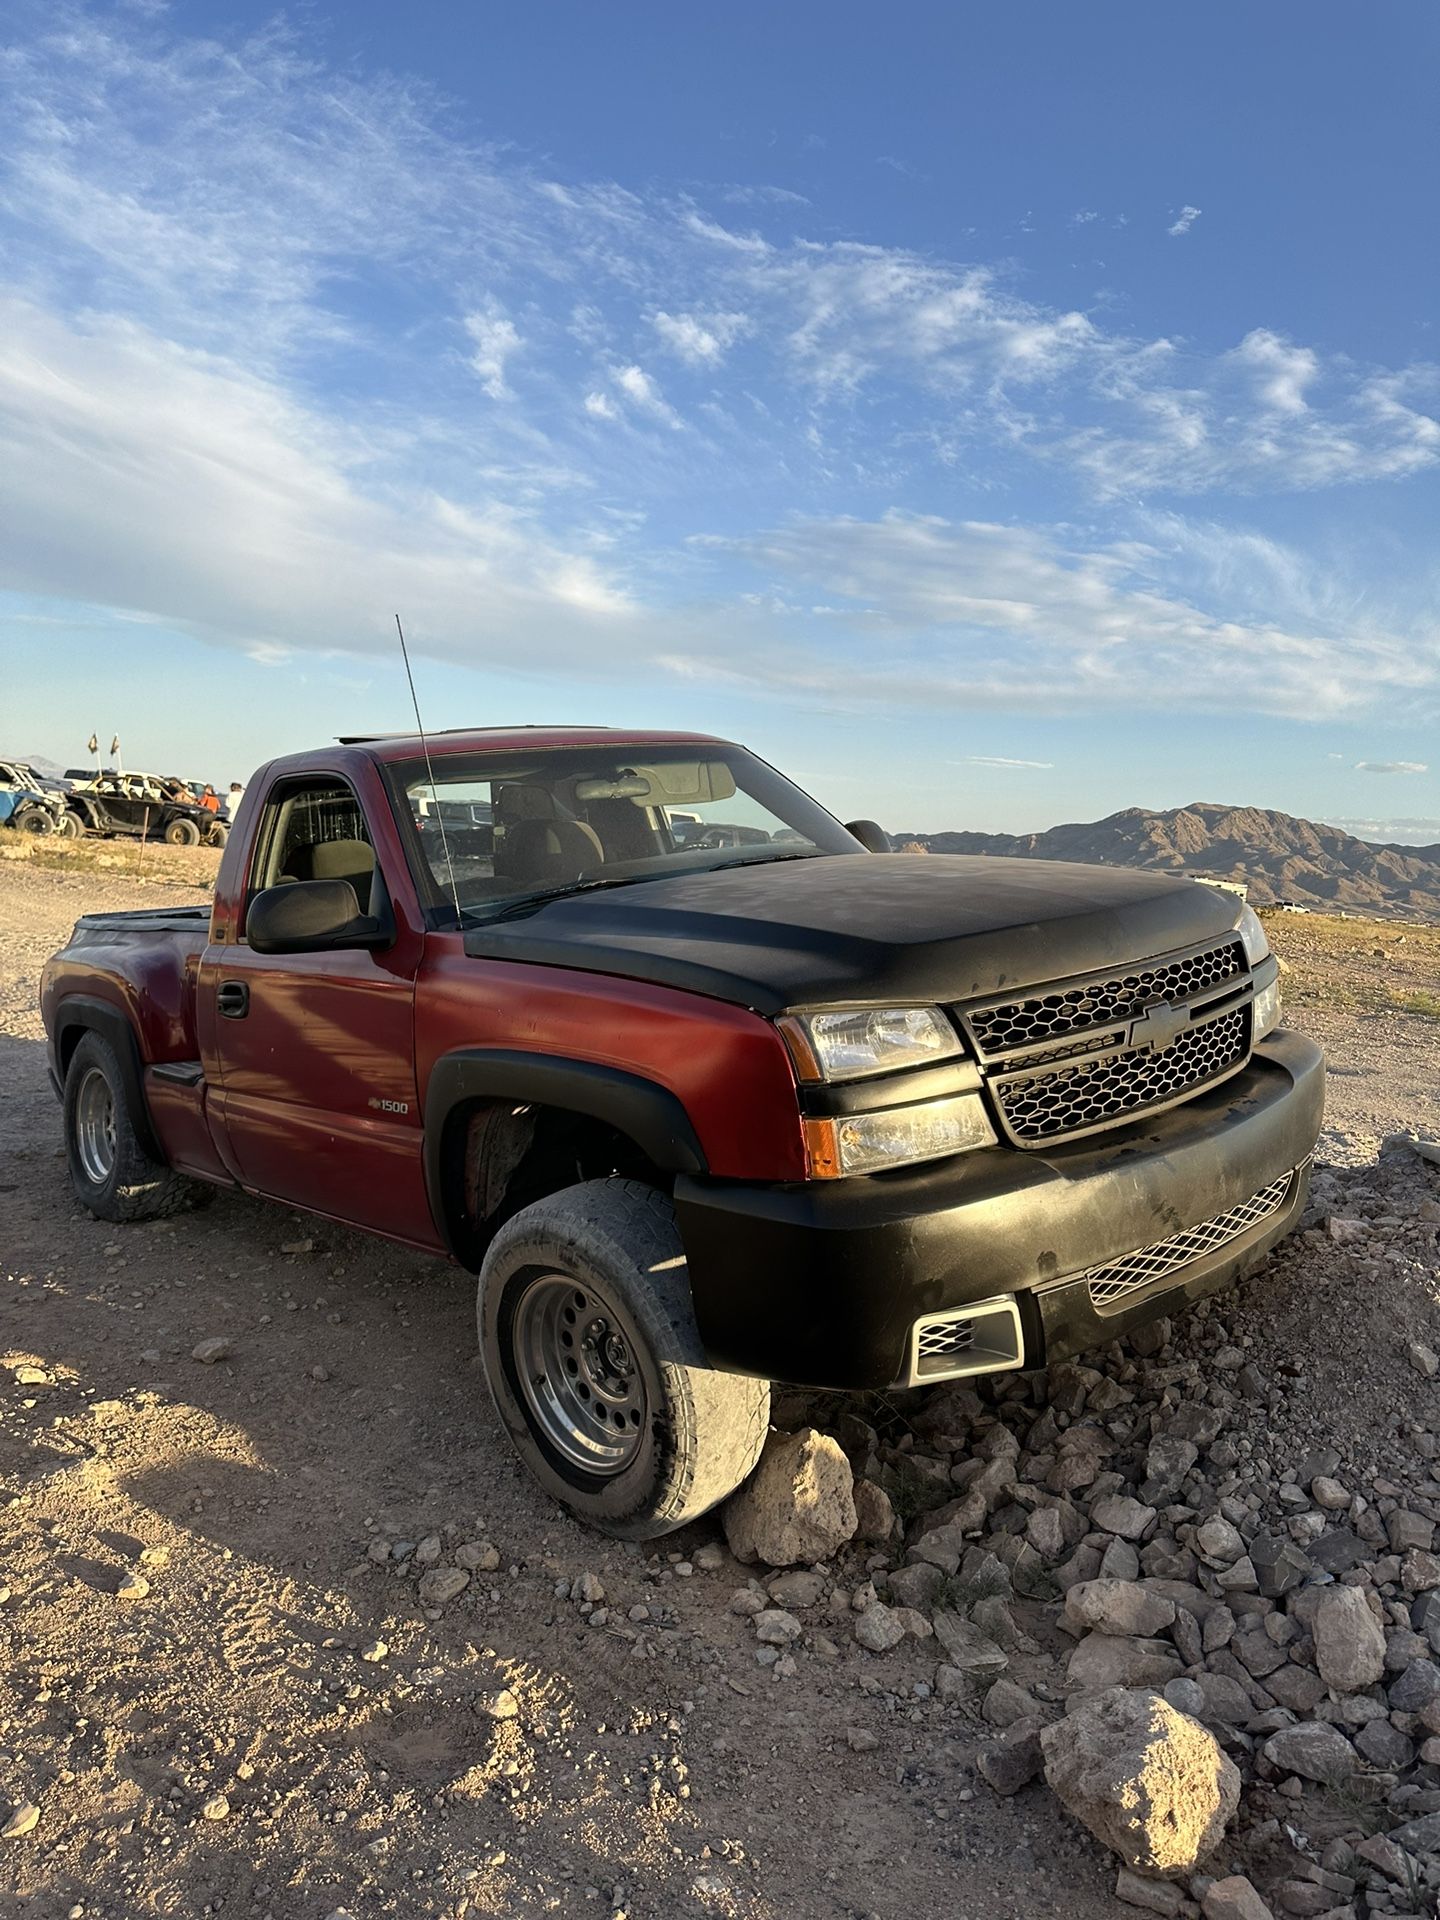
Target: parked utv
{"x": 707, "y": 1089}
{"x": 30, "y": 803}
{"x": 140, "y": 805}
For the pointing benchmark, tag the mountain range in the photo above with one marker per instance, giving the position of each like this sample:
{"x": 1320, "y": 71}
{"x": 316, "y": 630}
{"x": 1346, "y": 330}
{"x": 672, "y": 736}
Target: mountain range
{"x": 1277, "y": 856}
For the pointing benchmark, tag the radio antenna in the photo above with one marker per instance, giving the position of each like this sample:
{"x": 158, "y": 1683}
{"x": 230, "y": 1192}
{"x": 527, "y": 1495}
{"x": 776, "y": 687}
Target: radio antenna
{"x": 430, "y": 775}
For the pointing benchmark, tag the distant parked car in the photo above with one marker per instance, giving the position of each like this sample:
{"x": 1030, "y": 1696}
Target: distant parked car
{"x": 30, "y": 803}
{"x": 133, "y": 805}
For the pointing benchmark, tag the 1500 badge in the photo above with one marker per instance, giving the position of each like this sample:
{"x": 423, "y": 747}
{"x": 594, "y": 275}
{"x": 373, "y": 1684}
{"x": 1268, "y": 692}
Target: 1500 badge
{"x": 389, "y": 1106}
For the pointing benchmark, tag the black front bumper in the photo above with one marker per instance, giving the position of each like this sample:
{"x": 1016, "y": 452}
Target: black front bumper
{"x": 821, "y": 1284}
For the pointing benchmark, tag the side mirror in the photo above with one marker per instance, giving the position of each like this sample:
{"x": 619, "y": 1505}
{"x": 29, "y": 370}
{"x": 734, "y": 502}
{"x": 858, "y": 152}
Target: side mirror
{"x": 314, "y": 916}
{"x": 871, "y": 836}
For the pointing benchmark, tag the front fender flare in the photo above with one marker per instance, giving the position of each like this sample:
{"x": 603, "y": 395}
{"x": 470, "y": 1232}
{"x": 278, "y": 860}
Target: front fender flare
{"x": 647, "y": 1113}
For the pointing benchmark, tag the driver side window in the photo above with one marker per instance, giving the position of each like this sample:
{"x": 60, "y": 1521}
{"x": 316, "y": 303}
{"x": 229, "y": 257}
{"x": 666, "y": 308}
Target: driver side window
{"x": 315, "y": 830}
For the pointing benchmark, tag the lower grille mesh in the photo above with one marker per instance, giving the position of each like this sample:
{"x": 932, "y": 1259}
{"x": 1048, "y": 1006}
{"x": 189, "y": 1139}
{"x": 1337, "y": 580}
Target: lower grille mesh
{"x": 1112, "y": 1286}
{"x": 1073, "y": 1099}
{"x": 943, "y": 1339}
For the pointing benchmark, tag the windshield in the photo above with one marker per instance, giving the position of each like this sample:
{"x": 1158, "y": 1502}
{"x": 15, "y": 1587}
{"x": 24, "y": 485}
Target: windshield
{"x": 501, "y": 829}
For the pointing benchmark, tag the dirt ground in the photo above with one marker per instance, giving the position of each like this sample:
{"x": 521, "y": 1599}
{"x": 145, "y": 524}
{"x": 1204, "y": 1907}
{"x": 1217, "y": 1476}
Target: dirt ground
{"x": 212, "y": 1737}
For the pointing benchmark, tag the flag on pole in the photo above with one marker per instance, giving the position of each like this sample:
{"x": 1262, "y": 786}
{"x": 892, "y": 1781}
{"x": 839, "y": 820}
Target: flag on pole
{"x": 115, "y": 744}
{"x": 94, "y": 744}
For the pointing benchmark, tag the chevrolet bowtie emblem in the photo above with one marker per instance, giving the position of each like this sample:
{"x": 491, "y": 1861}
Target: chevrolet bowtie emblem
{"x": 1158, "y": 1026}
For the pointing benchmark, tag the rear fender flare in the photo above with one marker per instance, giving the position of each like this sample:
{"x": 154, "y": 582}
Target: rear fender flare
{"x": 77, "y": 1014}
{"x": 647, "y": 1113}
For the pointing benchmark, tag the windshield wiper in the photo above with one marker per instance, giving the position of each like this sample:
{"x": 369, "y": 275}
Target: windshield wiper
{"x": 765, "y": 860}
{"x": 530, "y": 902}
{"x": 527, "y": 903}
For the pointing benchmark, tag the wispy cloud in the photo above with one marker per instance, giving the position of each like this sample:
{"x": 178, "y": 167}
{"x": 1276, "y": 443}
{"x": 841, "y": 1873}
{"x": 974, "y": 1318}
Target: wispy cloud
{"x": 495, "y": 339}
{"x": 1402, "y": 833}
{"x": 999, "y": 760}
{"x": 763, "y": 196}
{"x": 700, "y": 339}
{"x": 157, "y": 479}
{"x": 1183, "y": 222}
{"x": 1000, "y": 616}
{"x": 1391, "y": 766}
{"x": 644, "y": 395}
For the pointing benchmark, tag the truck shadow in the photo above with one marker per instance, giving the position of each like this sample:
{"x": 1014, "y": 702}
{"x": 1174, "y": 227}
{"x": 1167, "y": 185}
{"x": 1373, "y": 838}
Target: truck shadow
{"x": 246, "y": 1493}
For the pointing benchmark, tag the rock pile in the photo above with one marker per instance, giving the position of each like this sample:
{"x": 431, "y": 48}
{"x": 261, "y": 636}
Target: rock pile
{"x": 1184, "y": 1557}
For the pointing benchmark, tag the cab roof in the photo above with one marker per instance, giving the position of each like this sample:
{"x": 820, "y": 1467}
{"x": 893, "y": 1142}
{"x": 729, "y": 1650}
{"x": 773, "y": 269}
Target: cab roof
{"x": 387, "y": 747}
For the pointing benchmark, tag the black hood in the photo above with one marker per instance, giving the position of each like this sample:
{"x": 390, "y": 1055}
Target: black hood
{"x": 893, "y": 929}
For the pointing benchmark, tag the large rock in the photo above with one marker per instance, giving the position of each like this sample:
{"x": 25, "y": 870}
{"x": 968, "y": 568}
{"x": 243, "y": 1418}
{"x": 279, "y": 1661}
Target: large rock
{"x": 1314, "y": 1750}
{"x": 1154, "y": 1896}
{"x": 879, "y": 1628}
{"x": 1234, "y": 1898}
{"x": 799, "y": 1504}
{"x": 1105, "y": 1660}
{"x": 1117, "y": 1606}
{"x": 875, "y": 1516}
{"x": 441, "y": 1585}
{"x": 1148, "y": 1782}
{"x": 969, "y": 1654}
{"x": 1012, "y": 1761}
{"x": 1349, "y": 1640}
{"x": 1126, "y": 1518}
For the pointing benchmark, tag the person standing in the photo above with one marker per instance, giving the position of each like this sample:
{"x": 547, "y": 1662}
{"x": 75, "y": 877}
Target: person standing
{"x": 209, "y": 799}
{"x": 232, "y": 803}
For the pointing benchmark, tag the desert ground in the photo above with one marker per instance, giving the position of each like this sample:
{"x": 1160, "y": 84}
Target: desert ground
{"x": 221, "y": 1693}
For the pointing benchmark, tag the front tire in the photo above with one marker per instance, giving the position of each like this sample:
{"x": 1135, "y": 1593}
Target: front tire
{"x": 69, "y": 826}
{"x": 217, "y": 837}
{"x": 34, "y": 820}
{"x": 110, "y": 1169}
{"x": 595, "y": 1364}
{"x": 182, "y": 833}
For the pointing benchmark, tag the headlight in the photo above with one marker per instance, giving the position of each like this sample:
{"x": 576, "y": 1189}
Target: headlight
{"x": 896, "y": 1136}
{"x": 1266, "y": 1016}
{"x": 843, "y": 1046}
{"x": 1252, "y": 935}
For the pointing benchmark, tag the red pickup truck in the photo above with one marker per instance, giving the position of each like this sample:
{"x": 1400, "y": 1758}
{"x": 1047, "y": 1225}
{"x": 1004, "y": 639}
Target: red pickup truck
{"x": 709, "y": 1089}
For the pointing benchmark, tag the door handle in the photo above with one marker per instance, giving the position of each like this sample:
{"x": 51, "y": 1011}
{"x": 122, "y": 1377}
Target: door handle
{"x": 233, "y": 1000}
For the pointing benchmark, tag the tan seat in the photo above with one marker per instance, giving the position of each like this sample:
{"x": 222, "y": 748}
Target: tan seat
{"x": 549, "y": 852}
{"x": 352, "y": 860}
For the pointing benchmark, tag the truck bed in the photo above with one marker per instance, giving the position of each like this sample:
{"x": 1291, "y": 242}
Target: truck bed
{"x": 146, "y": 920}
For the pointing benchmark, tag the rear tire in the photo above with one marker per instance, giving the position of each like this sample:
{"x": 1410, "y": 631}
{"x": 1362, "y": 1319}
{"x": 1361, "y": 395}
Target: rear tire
{"x": 592, "y": 1353}
{"x": 217, "y": 837}
{"x": 110, "y": 1169}
{"x": 34, "y": 820}
{"x": 182, "y": 833}
{"x": 69, "y": 826}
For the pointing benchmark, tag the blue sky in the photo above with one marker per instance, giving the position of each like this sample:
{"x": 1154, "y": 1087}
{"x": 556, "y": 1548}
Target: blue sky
{"x": 993, "y": 415}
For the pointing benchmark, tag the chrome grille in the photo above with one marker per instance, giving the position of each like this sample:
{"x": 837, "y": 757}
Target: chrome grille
{"x": 1116, "y": 997}
{"x": 1047, "y": 1104}
{"x": 1112, "y": 1286}
{"x": 943, "y": 1339}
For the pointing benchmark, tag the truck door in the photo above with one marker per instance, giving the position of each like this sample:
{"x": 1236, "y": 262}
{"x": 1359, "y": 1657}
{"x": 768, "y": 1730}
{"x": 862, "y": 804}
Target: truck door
{"x": 313, "y": 1053}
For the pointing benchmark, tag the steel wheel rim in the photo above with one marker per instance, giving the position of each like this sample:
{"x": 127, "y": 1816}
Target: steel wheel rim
{"x": 579, "y": 1375}
{"x": 95, "y": 1126}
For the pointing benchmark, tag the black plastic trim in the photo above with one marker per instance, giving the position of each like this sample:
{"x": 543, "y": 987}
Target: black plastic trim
{"x": 903, "y": 1089}
{"x": 820, "y": 1284}
{"x": 649, "y": 1114}
{"x": 184, "y": 1073}
{"x": 98, "y": 1016}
